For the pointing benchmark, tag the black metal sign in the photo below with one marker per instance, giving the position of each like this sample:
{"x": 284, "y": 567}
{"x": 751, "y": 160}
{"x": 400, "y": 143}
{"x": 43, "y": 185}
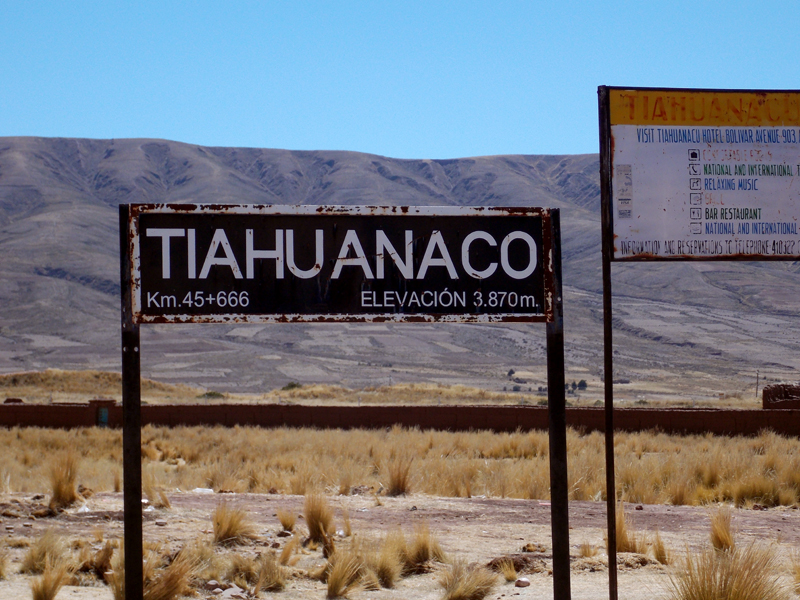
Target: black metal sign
{"x": 232, "y": 263}
{"x": 306, "y": 263}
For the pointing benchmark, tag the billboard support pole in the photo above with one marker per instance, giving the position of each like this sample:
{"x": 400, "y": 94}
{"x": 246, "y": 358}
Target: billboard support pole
{"x": 131, "y": 422}
{"x": 608, "y": 353}
{"x": 556, "y": 404}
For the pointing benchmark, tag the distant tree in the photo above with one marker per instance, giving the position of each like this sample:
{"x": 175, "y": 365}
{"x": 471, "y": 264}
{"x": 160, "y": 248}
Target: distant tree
{"x": 574, "y": 386}
{"x": 582, "y": 384}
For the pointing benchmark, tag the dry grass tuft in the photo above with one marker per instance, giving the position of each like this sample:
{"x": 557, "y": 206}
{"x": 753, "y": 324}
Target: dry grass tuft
{"x": 319, "y": 517}
{"x": 463, "y": 583}
{"x": 627, "y": 539}
{"x": 50, "y": 548}
{"x": 417, "y": 555}
{"x": 231, "y": 526}
{"x": 387, "y": 565}
{"x": 344, "y": 574}
{"x": 160, "y": 583}
{"x": 721, "y": 533}
{"x": 153, "y": 491}
{"x": 588, "y": 550}
{"x": 50, "y": 582}
{"x": 347, "y": 526}
{"x": 507, "y": 569}
{"x": 287, "y": 519}
{"x": 739, "y": 574}
{"x": 173, "y": 581}
{"x": 271, "y": 575}
{"x": 98, "y": 563}
{"x": 242, "y": 570}
{"x": 660, "y": 551}
{"x": 288, "y": 551}
{"x": 116, "y": 577}
{"x": 399, "y": 471}
{"x": 4, "y": 555}
{"x": 63, "y": 475}
{"x": 795, "y": 571}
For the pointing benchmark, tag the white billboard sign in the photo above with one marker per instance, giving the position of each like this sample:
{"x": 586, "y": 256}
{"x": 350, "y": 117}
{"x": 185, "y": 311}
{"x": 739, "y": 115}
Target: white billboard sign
{"x": 704, "y": 174}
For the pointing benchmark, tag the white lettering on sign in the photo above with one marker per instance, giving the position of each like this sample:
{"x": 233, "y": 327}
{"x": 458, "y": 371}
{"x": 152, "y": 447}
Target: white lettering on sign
{"x": 527, "y": 271}
{"x": 351, "y": 254}
{"x": 220, "y": 240}
{"x": 382, "y": 244}
{"x": 318, "y": 253}
{"x": 276, "y": 255}
{"x": 428, "y": 260}
{"x": 351, "y": 241}
{"x": 488, "y": 271}
{"x": 165, "y": 235}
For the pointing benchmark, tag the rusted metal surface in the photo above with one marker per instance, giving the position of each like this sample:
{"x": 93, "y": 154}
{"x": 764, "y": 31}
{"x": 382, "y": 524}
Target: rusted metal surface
{"x": 320, "y": 297}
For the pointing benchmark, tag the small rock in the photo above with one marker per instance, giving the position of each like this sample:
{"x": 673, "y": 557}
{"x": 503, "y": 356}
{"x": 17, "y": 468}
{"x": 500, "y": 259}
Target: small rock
{"x": 27, "y": 524}
{"x": 413, "y": 508}
{"x": 639, "y": 507}
{"x": 161, "y": 523}
{"x": 284, "y": 533}
{"x": 212, "y": 584}
{"x": 217, "y": 592}
{"x": 234, "y": 592}
{"x": 38, "y": 497}
{"x": 522, "y": 582}
{"x": 275, "y": 545}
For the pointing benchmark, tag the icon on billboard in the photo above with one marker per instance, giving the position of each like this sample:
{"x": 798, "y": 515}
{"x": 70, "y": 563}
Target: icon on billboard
{"x": 696, "y": 228}
{"x": 694, "y": 183}
{"x": 695, "y": 199}
{"x": 694, "y": 169}
{"x": 624, "y": 213}
{"x": 695, "y": 213}
{"x": 694, "y": 155}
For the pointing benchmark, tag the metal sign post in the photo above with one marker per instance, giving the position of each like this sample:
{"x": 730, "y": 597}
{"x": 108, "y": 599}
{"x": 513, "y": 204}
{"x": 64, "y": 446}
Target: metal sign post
{"x": 132, "y": 420}
{"x": 556, "y": 403}
{"x": 271, "y": 264}
{"x": 691, "y": 174}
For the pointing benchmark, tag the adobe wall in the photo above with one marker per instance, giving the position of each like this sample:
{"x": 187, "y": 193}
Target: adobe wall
{"x": 781, "y": 395}
{"x": 453, "y": 418}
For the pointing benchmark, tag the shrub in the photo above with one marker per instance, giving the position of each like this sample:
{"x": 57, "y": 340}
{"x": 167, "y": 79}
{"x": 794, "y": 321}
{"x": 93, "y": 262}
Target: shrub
{"x": 319, "y": 517}
{"x": 660, "y": 551}
{"x": 507, "y": 569}
{"x": 63, "y": 474}
{"x": 3, "y": 563}
{"x": 287, "y": 519}
{"x": 399, "y": 476}
{"x": 463, "y": 583}
{"x": 271, "y": 576}
{"x": 739, "y": 574}
{"x": 721, "y": 533}
{"x": 50, "y": 548}
{"x": 50, "y": 582}
{"x": 231, "y": 526}
{"x": 344, "y": 574}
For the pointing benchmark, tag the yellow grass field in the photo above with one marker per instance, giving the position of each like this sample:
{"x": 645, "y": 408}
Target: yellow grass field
{"x": 652, "y": 468}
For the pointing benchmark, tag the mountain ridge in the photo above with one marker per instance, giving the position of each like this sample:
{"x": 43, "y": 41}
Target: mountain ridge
{"x": 59, "y": 267}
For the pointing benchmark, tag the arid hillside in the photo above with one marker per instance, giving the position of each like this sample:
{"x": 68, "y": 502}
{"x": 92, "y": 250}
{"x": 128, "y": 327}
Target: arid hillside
{"x": 682, "y": 330}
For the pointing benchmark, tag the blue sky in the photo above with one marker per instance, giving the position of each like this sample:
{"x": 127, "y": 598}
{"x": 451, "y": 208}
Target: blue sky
{"x": 402, "y": 79}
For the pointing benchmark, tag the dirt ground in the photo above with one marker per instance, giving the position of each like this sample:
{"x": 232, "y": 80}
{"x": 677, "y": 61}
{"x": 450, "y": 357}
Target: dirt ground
{"x": 475, "y": 530}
